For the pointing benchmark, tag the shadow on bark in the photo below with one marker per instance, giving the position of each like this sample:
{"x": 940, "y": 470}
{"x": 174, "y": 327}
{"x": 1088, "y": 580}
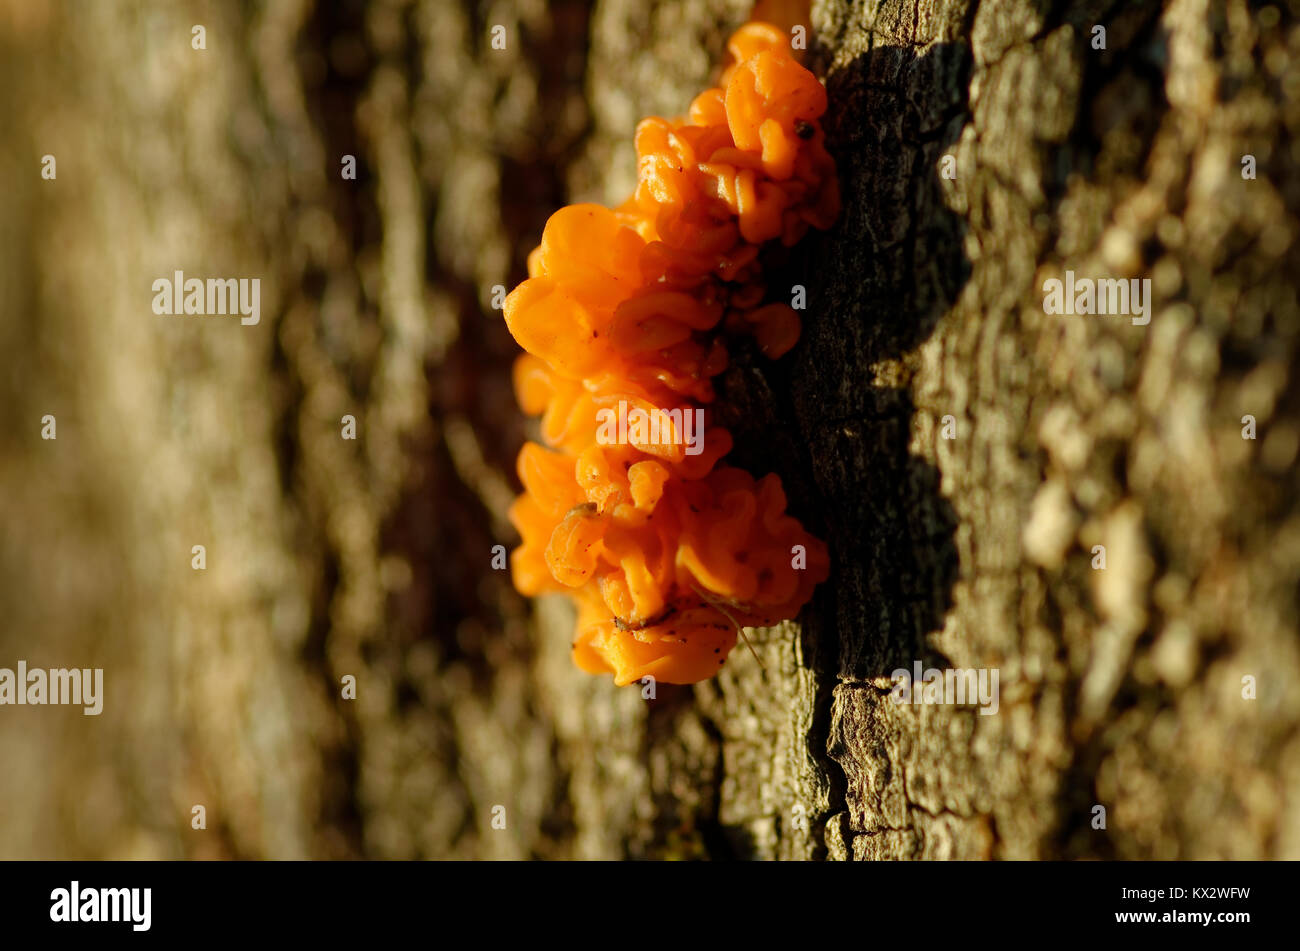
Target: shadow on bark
{"x": 878, "y": 285}
{"x": 836, "y": 420}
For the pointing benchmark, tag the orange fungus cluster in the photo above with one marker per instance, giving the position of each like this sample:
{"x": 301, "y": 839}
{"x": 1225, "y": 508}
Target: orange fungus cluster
{"x": 624, "y": 316}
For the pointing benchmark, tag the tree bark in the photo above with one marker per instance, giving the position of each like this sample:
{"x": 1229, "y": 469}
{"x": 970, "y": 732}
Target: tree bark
{"x": 1121, "y": 687}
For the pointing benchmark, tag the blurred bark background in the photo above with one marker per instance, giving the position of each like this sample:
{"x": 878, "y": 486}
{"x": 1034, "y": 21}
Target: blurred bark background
{"x": 1120, "y": 687}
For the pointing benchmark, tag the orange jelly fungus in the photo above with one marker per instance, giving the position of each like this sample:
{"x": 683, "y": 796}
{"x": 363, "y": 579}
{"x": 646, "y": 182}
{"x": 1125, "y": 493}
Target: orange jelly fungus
{"x": 666, "y": 552}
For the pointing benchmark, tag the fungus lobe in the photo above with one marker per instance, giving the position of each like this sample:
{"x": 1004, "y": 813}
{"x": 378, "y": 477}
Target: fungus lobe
{"x": 665, "y": 549}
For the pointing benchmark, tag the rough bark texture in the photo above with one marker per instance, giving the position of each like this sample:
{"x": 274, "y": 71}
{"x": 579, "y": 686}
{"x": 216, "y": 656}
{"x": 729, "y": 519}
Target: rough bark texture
{"x": 1120, "y": 687}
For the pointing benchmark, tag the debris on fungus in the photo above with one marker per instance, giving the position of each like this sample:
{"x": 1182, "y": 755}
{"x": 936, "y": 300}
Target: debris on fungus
{"x": 666, "y": 551}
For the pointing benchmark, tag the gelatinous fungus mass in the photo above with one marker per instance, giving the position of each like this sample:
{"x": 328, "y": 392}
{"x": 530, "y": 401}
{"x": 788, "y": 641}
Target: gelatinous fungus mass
{"x": 624, "y": 317}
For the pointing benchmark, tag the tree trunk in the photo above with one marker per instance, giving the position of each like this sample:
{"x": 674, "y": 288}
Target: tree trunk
{"x": 963, "y": 451}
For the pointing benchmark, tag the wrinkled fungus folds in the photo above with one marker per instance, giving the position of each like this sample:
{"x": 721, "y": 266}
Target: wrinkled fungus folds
{"x": 666, "y": 551}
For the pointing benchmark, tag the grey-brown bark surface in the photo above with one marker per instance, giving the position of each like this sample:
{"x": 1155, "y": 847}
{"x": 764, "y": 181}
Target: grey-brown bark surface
{"x": 1120, "y": 687}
